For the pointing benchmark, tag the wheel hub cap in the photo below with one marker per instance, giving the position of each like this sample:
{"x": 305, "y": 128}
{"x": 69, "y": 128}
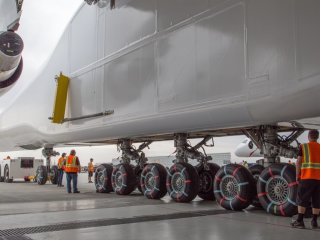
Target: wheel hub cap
{"x": 278, "y": 190}
{"x": 205, "y": 182}
{"x": 178, "y": 182}
{"x": 118, "y": 179}
{"x": 100, "y": 178}
{"x": 150, "y": 181}
{"x": 229, "y": 187}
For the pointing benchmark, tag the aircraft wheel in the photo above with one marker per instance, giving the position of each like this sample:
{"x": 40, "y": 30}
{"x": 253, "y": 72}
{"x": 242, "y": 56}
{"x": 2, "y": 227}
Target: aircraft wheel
{"x": 256, "y": 170}
{"x": 234, "y": 187}
{"x": 42, "y": 175}
{"x": 277, "y": 189}
{"x": 54, "y": 174}
{"x": 206, "y": 177}
{"x": 7, "y": 178}
{"x": 182, "y": 182}
{"x": 153, "y": 181}
{"x": 102, "y": 178}
{"x": 123, "y": 179}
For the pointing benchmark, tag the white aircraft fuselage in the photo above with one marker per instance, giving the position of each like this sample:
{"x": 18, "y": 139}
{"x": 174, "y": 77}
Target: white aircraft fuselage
{"x": 247, "y": 149}
{"x": 169, "y": 66}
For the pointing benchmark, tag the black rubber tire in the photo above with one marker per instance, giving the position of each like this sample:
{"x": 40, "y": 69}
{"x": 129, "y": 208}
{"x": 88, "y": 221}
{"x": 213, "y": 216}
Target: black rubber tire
{"x": 7, "y": 178}
{"x": 188, "y": 177}
{"x": 42, "y": 175}
{"x": 234, "y": 176}
{"x": 102, "y": 178}
{"x": 206, "y": 178}
{"x": 54, "y": 174}
{"x": 123, "y": 179}
{"x": 153, "y": 181}
{"x": 285, "y": 177}
{"x": 256, "y": 170}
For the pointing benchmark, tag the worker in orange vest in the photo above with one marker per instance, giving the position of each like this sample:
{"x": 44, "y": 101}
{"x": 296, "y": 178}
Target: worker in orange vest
{"x": 308, "y": 178}
{"x": 90, "y": 170}
{"x": 72, "y": 167}
{"x": 61, "y": 161}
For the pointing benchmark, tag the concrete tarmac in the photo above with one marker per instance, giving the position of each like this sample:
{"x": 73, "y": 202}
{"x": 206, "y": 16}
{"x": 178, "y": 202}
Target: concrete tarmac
{"x": 30, "y": 211}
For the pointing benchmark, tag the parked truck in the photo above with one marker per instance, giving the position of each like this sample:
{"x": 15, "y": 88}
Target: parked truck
{"x": 21, "y": 168}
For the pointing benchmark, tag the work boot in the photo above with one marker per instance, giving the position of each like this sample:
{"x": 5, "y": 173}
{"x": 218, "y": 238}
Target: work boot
{"x": 296, "y": 224}
{"x": 76, "y": 191}
{"x": 314, "y": 224}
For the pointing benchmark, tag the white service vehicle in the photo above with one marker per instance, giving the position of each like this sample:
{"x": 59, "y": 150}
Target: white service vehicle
{"x": 19, "y": 168}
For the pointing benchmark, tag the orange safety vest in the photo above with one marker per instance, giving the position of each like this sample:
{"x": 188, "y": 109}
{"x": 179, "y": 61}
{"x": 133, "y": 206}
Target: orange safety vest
{"x": 60, "y": 163}
{"x": 71, "y": 164}
{"x": 310, "y": 166}
{"x": 90, "y": 167}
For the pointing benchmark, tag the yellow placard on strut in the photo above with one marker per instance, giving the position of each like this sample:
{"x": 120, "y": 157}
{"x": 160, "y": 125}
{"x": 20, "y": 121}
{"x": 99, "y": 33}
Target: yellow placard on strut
{"x": 61, "y": 99}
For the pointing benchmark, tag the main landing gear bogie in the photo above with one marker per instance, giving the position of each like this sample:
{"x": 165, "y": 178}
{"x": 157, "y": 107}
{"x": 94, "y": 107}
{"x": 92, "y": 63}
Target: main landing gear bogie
{"x": 274, "y": 189}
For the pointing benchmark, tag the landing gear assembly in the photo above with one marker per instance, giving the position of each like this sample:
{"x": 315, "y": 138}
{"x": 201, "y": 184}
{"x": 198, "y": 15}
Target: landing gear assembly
{"x": 45, "y": 173}
{"x": 271, "y": 185}
{"x": 185, "y": 182}
{"x": 123, "y": 178}
{"x": 276, "y": 185}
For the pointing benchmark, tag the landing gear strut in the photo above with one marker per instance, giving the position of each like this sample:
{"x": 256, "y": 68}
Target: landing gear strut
{"x": 184, "y": 182}
{"x": 125, "y": 177}
{"x": 276, "y": 185}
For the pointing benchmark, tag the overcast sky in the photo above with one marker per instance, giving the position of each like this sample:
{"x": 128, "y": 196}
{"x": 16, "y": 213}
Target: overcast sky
{"x": 41, "y": 26}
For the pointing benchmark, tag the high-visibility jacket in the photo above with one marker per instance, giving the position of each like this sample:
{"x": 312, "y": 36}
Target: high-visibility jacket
{"x": 60, "y": 163}
{"x": 310, "y": 166}
{"x": 71, "y": 165}
{"x": 90, "y": 167}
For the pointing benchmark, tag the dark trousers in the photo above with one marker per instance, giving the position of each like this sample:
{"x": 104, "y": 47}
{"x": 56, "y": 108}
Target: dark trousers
{"x": 60, "y": 177}
{"x": 74, "y": 178}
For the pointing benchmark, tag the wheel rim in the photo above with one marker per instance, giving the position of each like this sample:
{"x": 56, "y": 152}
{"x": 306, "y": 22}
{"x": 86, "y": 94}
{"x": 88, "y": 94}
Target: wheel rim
{"x": 150, "y": 182}
{"x": 178, "y": 182}
{"x": 118, "y": 179}
{"x": 277, "y": 189}
{"x": 229, "y": 187}
{"x": 206, "y": 182}
{"x": 100, "y": 178}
